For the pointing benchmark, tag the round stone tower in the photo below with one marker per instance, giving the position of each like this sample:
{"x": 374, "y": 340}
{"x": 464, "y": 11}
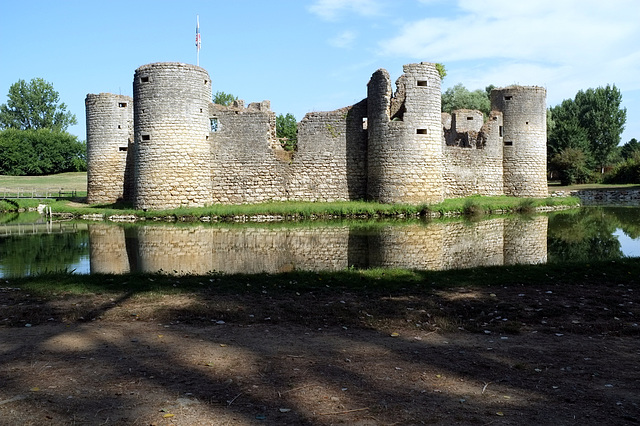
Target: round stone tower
{"x": 171, "y": 131}
{"x": 109, "y": 136}
{"x": 524, "y": 137}
{"x": 405, "y": 154}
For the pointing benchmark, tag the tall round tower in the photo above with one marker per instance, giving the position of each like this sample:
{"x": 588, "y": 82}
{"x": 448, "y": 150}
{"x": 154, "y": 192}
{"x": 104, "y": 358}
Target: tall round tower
{"x": 524, "y": 137}
{"x": 405, "y": 154}
{"x": 171, "y": 128}
{"x": 109, "y": 135}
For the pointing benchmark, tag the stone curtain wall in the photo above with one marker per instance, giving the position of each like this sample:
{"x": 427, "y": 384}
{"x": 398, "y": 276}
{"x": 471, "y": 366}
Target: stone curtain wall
{"x": 405, "y": 158}
{"x": 109, "y": 135}
{"x": 472, "y": 154}
{"x": 330, "y": 162}
{"x": 248, "y": 166}
{"x": 524, "y": 138}
{"x": 244, "y": 166}
{"x": 171, "y": 115}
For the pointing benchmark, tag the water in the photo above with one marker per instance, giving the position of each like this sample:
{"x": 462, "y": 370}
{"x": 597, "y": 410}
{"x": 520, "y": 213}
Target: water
{"x": 585, "y": 234}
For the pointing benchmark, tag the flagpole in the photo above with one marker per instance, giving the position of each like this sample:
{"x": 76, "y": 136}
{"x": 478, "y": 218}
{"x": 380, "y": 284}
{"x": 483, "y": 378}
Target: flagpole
{"x": 198, "y": 40}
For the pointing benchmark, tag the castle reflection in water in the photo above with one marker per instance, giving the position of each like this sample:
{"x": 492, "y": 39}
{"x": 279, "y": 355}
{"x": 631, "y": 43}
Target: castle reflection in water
{"x": 252, "y": 249}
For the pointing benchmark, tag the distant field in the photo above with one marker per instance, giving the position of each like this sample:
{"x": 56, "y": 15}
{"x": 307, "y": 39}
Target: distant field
{"x": 76, "y": 181}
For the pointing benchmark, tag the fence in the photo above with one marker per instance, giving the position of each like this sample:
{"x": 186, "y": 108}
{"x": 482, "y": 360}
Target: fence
{"x": 37, "y": 193}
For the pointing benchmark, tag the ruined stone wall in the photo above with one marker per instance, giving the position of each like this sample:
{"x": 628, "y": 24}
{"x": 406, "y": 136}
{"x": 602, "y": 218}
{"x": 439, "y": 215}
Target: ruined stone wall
{"x": 330, "y": 161}
{"x": 524, "y": 139}
{"x": 109, "y": 136}
{"x": 473, "y": 162}
{"x": 171, "y": 116}
{"x": 245, "y": 167}
{"x": 405, "y": 157}
{"x": 249, "y": 166}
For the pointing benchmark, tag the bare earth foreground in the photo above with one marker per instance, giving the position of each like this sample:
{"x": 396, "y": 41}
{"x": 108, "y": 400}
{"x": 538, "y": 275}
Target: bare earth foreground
{"x": 557, "y": 353}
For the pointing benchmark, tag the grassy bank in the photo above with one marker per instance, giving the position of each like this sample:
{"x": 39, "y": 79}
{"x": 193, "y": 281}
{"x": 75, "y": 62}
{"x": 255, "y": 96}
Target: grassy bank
{"x": 295, "y": 210}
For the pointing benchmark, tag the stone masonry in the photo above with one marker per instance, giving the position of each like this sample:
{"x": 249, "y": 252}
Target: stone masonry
{"x": 170, "y": 146}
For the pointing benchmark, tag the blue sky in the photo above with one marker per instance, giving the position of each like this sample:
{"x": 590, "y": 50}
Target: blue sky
{"x": 318, "y": 55}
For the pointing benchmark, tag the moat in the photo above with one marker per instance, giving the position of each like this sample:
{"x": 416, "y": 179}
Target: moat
{"x": 578, "y": 235}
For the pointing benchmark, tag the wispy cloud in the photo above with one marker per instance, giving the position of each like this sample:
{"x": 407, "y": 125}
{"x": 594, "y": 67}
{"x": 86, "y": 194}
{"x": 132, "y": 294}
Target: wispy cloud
{"x": 569, "y": 39}
{"x": 332, "y": 10}
{"x": 343, "y": 40}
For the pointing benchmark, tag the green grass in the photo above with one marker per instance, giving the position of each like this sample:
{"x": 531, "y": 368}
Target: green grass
{"x": 76, "y": 181}
{"x": 367, "y": 281}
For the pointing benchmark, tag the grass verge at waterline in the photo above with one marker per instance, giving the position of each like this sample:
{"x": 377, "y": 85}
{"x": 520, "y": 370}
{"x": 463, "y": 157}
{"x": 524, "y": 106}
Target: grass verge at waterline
{"x": 281, "y": 211}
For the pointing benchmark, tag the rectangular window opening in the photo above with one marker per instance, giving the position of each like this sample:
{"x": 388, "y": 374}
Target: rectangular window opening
{"x": 501, "y": 129}
{"x": 421, "y": 131}
{"x": 423, "y": 83}
{"x": 146, "y": 137}
{"x": 144, "y": 79}
{"x": 122, "y": 148}
{"x": 364, "y": 123}
{"x": 469, "y": 118}
{"x": 508, "y": 98}
{"x": 508, "y": 143}
{"x": 119, "y": 126}
{"x": 122, "y": 104}
{"x": 214, "y": 124}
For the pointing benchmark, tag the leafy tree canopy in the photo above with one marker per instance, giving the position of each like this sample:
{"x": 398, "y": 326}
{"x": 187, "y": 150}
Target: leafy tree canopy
{"x": 222, "y": 98}
{"x": 287, "y": 130}
{"x": 458, "y": 97}
{"x": 592, "y": 122}
{"x": 35, "y": 105}
{"x": 630, "y": 149}
{"x": 40, "y": 152}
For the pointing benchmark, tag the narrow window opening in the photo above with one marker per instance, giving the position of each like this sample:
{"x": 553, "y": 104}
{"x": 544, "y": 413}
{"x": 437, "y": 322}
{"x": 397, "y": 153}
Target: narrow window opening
{"x": 527, "y": 122}
{"x": 207, "y": 137}
{"x": 364, "y": 123}
{"x": 508, "y": 98}
{"x": 469, "y": 118}
{"x": 423, "y": 83}
{"x": 508, "y": 143}
{"x": 214, "y": 124}
{"x": 200, "y": 109}
{"x": 119, "y": 126}
{"x": 122, "y": 104}
{"x": 122, "y": 148}
{"x": 146, "y": 137}
{"x": 205, "y": 82}
{"x": 144, "y": 79}
{"x": 501, "y": 129}
{"x": 421, "y": 131}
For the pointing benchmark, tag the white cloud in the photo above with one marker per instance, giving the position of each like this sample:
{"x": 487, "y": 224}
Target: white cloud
{"x": 332, "y": 10}
{"x": 343, "y": 40}
{"x": 568, "y": 45}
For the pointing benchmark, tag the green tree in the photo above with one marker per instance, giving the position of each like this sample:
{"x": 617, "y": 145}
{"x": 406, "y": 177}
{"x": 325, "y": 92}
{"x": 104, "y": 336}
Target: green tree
{"x": 225, "y": 99}
{"x": 40, "y": 152}
{"x": 458, "y": 97}
{"x": 564, "y": 131}
{"x": 630, "y": 149}
{"x": 599, "y": 113}
{"x": 35, "y": 105}
{"x": 570, "y": 165}
{"x": 287, "y": 131}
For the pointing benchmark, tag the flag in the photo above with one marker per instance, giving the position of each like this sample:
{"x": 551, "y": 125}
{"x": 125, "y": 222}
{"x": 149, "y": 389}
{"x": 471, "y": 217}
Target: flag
{"x": 198, "y": 42}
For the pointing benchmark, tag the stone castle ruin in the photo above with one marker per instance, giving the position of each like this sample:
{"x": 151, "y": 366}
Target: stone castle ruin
{"x": 171, "y": 146}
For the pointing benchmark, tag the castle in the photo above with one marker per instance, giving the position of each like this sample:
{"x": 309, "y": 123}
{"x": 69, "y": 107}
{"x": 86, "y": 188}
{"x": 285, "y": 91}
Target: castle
{"x": 171, "y": 146}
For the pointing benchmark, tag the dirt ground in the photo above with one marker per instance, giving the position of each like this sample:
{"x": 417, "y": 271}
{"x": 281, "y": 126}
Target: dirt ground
{"x": 514, "y": 355}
